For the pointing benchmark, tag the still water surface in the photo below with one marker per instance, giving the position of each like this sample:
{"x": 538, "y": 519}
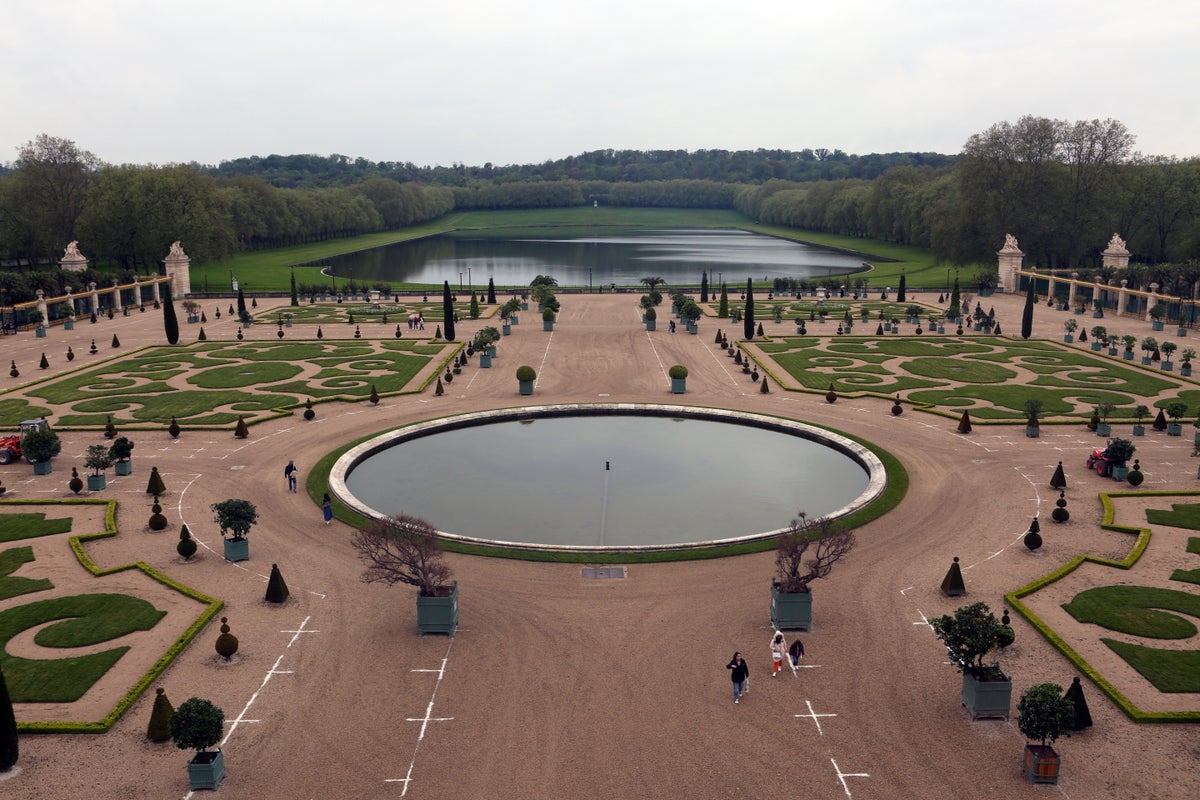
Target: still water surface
{"x": 669, "y": 480}
{"x": 589, "y": 259}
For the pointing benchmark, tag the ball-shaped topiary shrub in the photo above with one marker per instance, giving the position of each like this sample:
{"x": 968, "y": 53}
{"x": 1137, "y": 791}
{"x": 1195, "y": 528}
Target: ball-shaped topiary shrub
{"x": 187, "y": 545}
{"x": 678, "y": 371}
{"x": 548, "y": 314}
{"x": 528, "y": 373}
{"x": 227, "y": 643}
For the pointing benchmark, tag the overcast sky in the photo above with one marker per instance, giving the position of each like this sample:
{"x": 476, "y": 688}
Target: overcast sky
{"x": 525, "y": 81}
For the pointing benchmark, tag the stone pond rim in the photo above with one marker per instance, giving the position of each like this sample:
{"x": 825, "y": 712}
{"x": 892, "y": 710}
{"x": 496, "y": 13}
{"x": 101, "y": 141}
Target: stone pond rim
{"x": 876, "y": 473}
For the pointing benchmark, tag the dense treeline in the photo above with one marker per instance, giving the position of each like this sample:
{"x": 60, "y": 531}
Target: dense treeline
{"x": 608, "y": 166}
{"x": 1062, "y": 188}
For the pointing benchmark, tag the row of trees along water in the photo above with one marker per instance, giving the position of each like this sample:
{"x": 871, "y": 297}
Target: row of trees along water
{"x": 1061, "y": 187}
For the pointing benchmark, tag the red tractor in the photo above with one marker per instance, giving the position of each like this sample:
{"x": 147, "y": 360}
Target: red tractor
{"x": 1115, "y": 456}
{"x": 10, "y": 446}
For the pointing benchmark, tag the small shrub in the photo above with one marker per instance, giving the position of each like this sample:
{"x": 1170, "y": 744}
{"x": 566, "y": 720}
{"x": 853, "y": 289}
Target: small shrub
{"x": 678, "y": 372}
{"x": 527, "y": 373}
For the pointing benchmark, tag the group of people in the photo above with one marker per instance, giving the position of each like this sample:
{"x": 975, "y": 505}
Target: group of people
{"x": 740, "y": 670}
{"x": 292, "y": 474}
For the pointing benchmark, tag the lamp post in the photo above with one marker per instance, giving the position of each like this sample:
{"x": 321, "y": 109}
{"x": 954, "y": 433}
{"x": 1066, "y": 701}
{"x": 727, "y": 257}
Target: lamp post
{"x": 460, "y": 283}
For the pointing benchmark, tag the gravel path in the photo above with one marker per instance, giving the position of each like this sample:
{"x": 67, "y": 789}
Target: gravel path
{"x": 558, "y": 686}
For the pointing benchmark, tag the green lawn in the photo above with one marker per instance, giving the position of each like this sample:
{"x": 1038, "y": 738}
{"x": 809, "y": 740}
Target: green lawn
{"x": 11, "y": 585}
{"x": 29, "y": 526}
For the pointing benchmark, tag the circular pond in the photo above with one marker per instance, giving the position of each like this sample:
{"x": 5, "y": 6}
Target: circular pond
{"x": 608, "y": 476}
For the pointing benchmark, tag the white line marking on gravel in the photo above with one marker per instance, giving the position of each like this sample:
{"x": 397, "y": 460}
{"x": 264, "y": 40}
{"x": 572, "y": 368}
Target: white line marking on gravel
{"x": 428, "y": 718}
{"x": 813, "y": 715}
{"x": 843, "y": 775}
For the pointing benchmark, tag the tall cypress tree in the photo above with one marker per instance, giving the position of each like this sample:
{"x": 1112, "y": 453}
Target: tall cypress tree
{"x": 955, "y": 308}
{"x": 723, "y": 308}
{"x": 447, "y": 312}
{"x": 748, "y": 322}
{"x": 704, "y": 286}
{"x": 491, "y": 292}
{"x": 170, "y": 321}
{"x": 241, "y": 303}
{"x": 1027, "y": 314}
{"x": 900, "y": 294}
{"x": 295, "y": 298}
{"x": 9, "y": 749}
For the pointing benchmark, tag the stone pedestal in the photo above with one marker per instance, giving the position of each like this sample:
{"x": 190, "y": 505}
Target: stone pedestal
{"x": 1115, "y": 255}
{"x": 178, "y": 266}
{"x": 95, "y": 298}
{"x": 41, "y": 306}
{"x": 1010, "y": 258}
{"x": 117, "y": 297}
{"x": 1151, "y": 301}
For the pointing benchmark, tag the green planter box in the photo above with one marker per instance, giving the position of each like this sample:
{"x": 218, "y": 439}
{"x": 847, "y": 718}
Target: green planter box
{"x": 69, "y": 325}
{"x": 40, "y": 332}
{"x": 1096, "y": 346}
{"x": 438, "y": 614}
{"x": 986, "y": 698}
{"x": 1103, "y": 429}
{"x": 237, "y": 549}
{"x": 1120, "y": 473}
{"x": 678, "y": 385}
{"x": 42, "y": 468}
{"x": 123, "y": 467}
{"x": 514, "y": 319}
{"x": 206, "y": 769}
{"x": 651, "y": 324}
{"x": 790, "y": 611}
{"x": 525, "y": 387}
{"x": 1033, "y": 431}
{"x": 1156, "y": 326}
{"x": 506, "y": 330}
{"x": 485, "y": 361}
{"x": 1174, "y": 429}
{"x": 547, "y": 325}
{"x": 96, "y": 483}
{"x": 1139, "y": 430}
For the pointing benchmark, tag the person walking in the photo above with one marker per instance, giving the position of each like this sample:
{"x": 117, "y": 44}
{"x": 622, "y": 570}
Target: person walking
{"x": 327, "y": 508}
{"x": 779, "y": 650}
{"x": 289, "y": 472}
{"x": 740, "y": 675}
{"x": 796, "y": 651}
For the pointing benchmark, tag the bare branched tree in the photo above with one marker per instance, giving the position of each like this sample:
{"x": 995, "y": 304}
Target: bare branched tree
{"x": 830, "y": 541}
{"x": 402, "y": 549}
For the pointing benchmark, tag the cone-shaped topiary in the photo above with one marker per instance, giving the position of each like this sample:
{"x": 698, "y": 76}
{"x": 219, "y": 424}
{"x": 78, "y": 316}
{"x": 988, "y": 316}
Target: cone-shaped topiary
{"x": 159, "y": 729}
{"x": 320, "y": 334}
{"x": 1082, "y": 717}
{"x": 952, "y": 584}
{"x": 155, "y": 485}
{"x": 831, "y": 395}
{"x": 240, "y": 431}
{"x": 277, "y": 590}
{"x": 760, "y": 329}
{"x": 879, "y": 329}
{"x": 9, "y": 747}
{"x": 110, "y": 430}
{"x": 1059, "y": 479}
{"x": 93, "y": 349}
{"x": 173, "y": 429}
{"x": 998, "y": 332}
{"x": 309, "y": 413}
{"x": 187, "y": 545}
{"x": 440, "y": 390}
{"x": 227, "y": 643}
{"x": 202, "y": 337}
{"x": 897, "y": 409}
{"x": 374, "y": 396}
{"x": 1060, "y": 513}
{"x": 44, "y": 363}
{"x": 1135, "y": 476}
{"x": 76, "y": 483}
{"x": 765, "y": 389}
{"x": 964, "y": 423}
{"x": 1094, "y": 421}
{"x": 737, "y": 359}
{"x": 1160, "y": 422}
{"x": 437, "y": 334}
{"x": 116, "y": 342}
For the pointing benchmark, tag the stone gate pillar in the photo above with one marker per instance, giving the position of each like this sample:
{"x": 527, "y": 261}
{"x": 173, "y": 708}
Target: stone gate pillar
{"x": 95, "y": 297}
{"x": 41, "y": 306}
{"x": 1121, "y": 298}
{"x": 1151, "y": 300}
{"x": 116, "y": 297}
{"x": 178, "y": 266}
{"x": 1010, "y": 257}
{"x": 1071, "y": 291}
{"x": 154, "y": 287}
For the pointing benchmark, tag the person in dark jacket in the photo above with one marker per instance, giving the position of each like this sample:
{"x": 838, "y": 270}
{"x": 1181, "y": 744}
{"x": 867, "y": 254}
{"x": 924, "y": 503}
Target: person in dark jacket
{"x": 740, "y": 673}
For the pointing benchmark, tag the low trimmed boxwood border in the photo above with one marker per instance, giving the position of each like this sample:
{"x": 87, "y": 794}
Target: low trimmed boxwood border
{"x": 897, "y": 486}
{"x": 164, "y": 661}
{"x": 1139, "y": 547}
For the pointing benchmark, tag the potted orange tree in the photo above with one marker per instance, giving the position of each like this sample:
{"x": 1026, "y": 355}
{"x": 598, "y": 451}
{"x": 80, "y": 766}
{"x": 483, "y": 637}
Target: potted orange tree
{"x": 406, "y": 549}
{"x": 235, "y": 517}
{"x": 791, "y": 595}
{"x": 969, "y": 636}
{"x": 198, "y": 724}
{"x": 1043, "y": 714}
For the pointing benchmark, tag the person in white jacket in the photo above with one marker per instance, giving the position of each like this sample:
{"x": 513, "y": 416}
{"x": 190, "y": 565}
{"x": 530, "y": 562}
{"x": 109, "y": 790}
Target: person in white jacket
{"x": 779, "y": 650}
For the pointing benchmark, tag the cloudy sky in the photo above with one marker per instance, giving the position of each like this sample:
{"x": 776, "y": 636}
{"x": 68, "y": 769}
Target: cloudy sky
{"x": 469, "y": 81}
